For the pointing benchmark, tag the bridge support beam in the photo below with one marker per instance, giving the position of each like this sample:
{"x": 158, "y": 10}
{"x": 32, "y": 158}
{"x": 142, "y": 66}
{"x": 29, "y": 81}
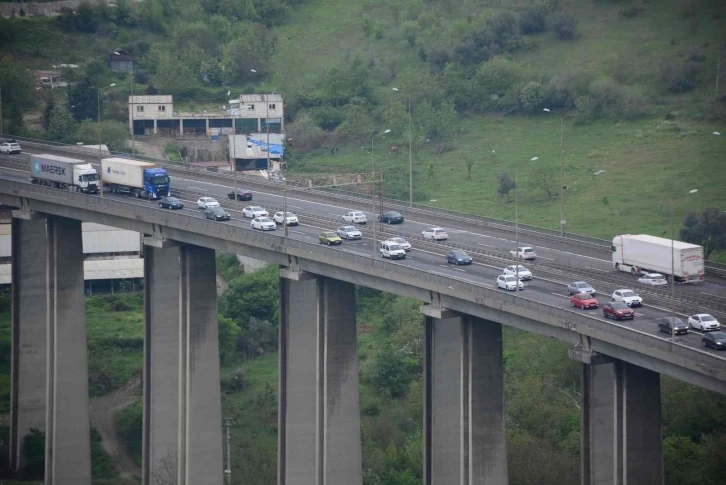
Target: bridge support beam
{"x": 182, "y": 433}
{"x": 319, "y": 439}
{"x": 621, "y": 424}
{"x": 464, "y": 440}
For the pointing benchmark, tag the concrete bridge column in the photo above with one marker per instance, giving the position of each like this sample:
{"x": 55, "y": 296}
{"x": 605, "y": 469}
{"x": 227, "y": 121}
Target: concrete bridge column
{"x": 621, "y": 422}
{"x": 319, "y": 439}
{"x": 182, "y": 431}
{"x": 464, "y": 440}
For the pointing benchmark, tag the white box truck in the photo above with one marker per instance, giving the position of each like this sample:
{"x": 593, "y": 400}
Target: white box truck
{"x": 640, "y": 253}
{"x": 134, "y": 177}
{"x": 64, "y": 173}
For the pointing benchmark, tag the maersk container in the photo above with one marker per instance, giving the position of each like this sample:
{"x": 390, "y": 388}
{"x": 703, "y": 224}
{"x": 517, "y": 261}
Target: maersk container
{"x": 63, "y": 173}
{"x": 135, "y": 177}
{"x": 640, "y": 253}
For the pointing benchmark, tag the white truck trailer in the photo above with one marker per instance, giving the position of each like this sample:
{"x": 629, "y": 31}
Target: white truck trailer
{"x": 640, "y": 253}
{"x": 64, "y": 173}
{"x": 135, "y": 177}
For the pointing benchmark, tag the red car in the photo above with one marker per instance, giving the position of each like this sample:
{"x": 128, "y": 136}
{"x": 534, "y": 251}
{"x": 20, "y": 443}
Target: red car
{"x": 584, "y": 301}
{"x": 617, "y": 310}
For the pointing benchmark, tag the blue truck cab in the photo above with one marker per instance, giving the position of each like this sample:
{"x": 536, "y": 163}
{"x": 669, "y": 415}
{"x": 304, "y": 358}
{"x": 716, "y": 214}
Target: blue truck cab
{"x": 156, "y": 183}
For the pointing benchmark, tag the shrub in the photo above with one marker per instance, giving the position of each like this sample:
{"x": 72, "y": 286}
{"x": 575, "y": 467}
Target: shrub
{"x": 532, "y": 96}
{"x": 631, "y": 12}
{"x": 505, "y": 27}
{"x": 532, "y": 21}
{"x": 388, "y": 372}
{"x": 563, "y": 25}
{"x": 562, "y": 90}
{"x": 237, "y": 382}
{"x": 327, "y": 117}
{"x": 680, "y": 76}
{"x": 607, "y": 98}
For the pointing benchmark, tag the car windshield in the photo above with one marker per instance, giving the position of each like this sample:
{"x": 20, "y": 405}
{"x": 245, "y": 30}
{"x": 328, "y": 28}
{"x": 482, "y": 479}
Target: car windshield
{"x": 510, "y": 278}
{"x": 256, "y": 208}
{"x": 356, "y": 214}
{"x": 394, "y": 247}
{"x": 459, "y": 254}
{"x": 719, "y": 335}
{"x": 656, "y": 277}
{"x": 349, "y": 229}
{"x": 707, "y": 318}
{"x": 289, "y": 214}
{"x": 172, "y": 200}
{"x": 668, "y": 320}
{"x": 521, "y": 268}
{"x": 582, "y": 285}
{"x": 159, "y": 179}
{"x": 399, "y": 240}
{"x": 528, "y": 250}
{"x": 439, "y": 231}
{"x": 265, "y": 219}
{"x": 628, "y": 294}
{"x": 90, "y": 177}
{"x": 619, "y": 305}
{"x": 217, "y": 210}
{"x": 329, "y": 234}
{"x": 393, "y": 214}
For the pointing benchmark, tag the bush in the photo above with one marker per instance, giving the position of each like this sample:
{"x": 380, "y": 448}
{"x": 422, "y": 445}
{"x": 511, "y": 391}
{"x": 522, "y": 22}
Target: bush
{"x": 237, "y": 382}
{"x": 505, "y": 27}
{"x": 388, "y": 372}
{"x": 680, "y": 76}
{"x": 607, "y": 98}
{"x": 563, "y": 25}
{"x": 562, "y": 90}
{"x": 327, "y": 117}
{"x": 532, "y": 96}
{"x": 34, "y": 454}
{"x": 115, "y": 304}
{"x": 257, "y": 338}
{"x": 532, "y": 21}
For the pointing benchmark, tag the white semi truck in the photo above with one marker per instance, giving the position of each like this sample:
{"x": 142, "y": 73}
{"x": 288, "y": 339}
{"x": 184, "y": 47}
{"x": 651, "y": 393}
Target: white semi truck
{"x": 640, "y": 253}
{"x": 135, "y": 177}
{"x": 64, "y": 173}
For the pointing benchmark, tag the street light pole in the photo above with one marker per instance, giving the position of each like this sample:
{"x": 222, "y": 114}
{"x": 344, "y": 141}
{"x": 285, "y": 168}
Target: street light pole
{"x": 373, "y": 190}
{"x": 562, "y": 173}
{"x": 133, "y": 130}
{"x": 516, "y": 221}
{"x": 1, "y": 111}
{"x": 673, "y": 267}
{"x": 98, "y": 105}
{"x": 410, "y": 153}
{"x": 267, "y": 128}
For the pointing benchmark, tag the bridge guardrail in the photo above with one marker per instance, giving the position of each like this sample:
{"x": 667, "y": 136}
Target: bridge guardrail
{"x": 443, "y": 284}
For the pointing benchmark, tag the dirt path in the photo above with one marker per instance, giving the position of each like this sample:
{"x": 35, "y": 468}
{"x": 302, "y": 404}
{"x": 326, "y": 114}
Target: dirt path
{"x": 103, "y": 411}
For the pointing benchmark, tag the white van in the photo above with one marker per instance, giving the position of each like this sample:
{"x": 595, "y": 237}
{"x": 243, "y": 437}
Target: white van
{"x": 393, "y": 250}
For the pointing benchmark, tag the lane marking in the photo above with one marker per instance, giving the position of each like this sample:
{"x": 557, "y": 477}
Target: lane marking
{"x": 197, "y": 188}
{"x": 596, "y": 269}
{"x": 449, "y": 267}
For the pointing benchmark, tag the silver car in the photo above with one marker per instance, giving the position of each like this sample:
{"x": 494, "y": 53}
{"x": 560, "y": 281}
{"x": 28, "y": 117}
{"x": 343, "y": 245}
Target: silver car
{"x": 349, "y": 232}
{"x": 580, "y": 287}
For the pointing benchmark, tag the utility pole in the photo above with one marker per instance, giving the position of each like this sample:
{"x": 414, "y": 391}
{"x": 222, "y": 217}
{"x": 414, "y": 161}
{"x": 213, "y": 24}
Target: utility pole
{"x": 228, "y": 468}
{"x": 267, "y": 128}
{"x": 410, "y": 156}
{"x": 131, "y": 90}
{"x": 1, "y": 112}
{"x": 562, "y": 177}
{"x": 718, "y": 71}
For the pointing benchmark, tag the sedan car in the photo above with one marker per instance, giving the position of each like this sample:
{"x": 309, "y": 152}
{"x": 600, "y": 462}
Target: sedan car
{"x": 509, "y": 283}
{"x": 240, "y": 195}
{"x": 405, "y": 245}
{"x": 349, "y": 232}
{"x": 580, "y": 287}
{"x": 584, "y": 301}
{"x": 206, "y": 203}
{"x": 629, "y": 297}
{"x": 391, "y": 217}
{"x": 527, "y": 253}
{"x": 457, "y": 257}
{"x": 524, "y": 273}
{"x": 263, "y": 224}
{"x": 7, "y": 147}
{"x": 653, "y": 279}
{"x": 355, "y": 217}
{"x": 664, "y": 325}
{"x": 252, "y": 211}
{"x": 291, "y": 218}
{"x": 329, "y": 238}
{"x": 715, "y": 340}
{"x": 617, "y": 310}
{"x": 435, "y": 233}
{"x": 170, "y": 203}
{"x": 216, "y": 213}
{"x": 703, "y": 321}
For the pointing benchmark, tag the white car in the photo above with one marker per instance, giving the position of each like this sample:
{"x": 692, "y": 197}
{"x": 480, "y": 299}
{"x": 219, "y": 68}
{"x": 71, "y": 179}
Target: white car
{"x": 405, "y": 245}
{"x": 252, "y": 211}
{"x": 524, "y": 273}
{"x": 263, "y": 224}
{"x": 435, "y": 233}
{"x": 703, "y": 321}
{"x": 526, "y": 253}
{"x": 7, "y": 147}
{"x": 206, "y": 203}
{"x": 349, "y": 232}
{"x": 355, "y": 217}
{"x": 629, "y": 297}
{"x": 392, "y": 250}
{"x": 509, "y": 282}
{"x": 653, "y": 279}
{"x": 291, "y": 218}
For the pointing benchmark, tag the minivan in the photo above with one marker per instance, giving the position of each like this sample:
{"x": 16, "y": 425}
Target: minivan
{"x": 393, "y": 250}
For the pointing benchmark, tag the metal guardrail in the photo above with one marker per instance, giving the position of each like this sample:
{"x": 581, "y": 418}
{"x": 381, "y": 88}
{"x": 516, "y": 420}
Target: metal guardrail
{"x": 431, "y": 281}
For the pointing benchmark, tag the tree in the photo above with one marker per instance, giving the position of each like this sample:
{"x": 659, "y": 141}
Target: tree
{"x": 388, "y": 372}
{"x": 62, "y": 126}
{"x": 367, "y": 23}
{"x": 545, "y": 180}
{"x": 83, "y": 100}
{"x": 33, "y": 453}
{"x": 469, "y": 164}
{"x": 252, "y": 295}
{"x": 435, "y": 121}
{"x": 49, "y": 105}
{"x": 563, "y": 24}
{"x": 252, "y": 47}
{"x": 506, "y": 185}
{"x": 532, "y": 96}
{"x": 707, "y": 229}
{"x": 17, "y": 88}
{"x": 228, "y": 331}
{"x": 172, "y": 76}
{"x": 113, "y": 134}
{"x": 305, "y": 133}
{"x": 267, "y": 401}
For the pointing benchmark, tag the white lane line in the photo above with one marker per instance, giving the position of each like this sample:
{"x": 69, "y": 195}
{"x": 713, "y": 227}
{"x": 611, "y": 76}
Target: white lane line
{"x": 197, "y": 188}
{"x": 487, "y": 245}
{"x": 596, "y": 269}
{"x": 711, "y": 294}
{"x": 298, "y": 232}
{"x": 563, "y": 296}
{"x": 551, "y": 259}
{"x": 455, "y": 269}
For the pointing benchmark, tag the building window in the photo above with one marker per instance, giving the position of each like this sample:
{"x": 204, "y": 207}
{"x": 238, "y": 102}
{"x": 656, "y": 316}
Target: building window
{"x": 250, "y": 107}
{"x": 272, "y": 107}
{"x": 140, "y": 109}
{"x": 162, "y": 108}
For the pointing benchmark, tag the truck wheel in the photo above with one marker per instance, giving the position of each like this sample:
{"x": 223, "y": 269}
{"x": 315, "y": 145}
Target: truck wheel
{"x": 617, "y": 266}
{"x": 632, "y": 271}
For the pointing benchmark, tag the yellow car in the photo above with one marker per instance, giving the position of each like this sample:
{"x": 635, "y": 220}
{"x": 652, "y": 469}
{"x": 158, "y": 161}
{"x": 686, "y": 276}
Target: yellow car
{"x": 329, "y": 238}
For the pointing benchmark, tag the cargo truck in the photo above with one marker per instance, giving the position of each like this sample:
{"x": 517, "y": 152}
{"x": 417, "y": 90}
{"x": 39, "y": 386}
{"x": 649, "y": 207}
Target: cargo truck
{"x": 134, "y": 177}
{"x": 64, "y": 173}
{"x": 640, "y": 253}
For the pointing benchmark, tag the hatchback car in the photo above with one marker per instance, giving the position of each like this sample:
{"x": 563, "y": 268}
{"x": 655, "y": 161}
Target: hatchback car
{"x": 329, "y": 238}
{"x": 703, "y": 321}
{"x": 391, "y": 217}
{"x": 457, "y": 257}
{"x": 527, "y": 253}
{"x": 263, "y": 224}
{"x": 629, "y": 297}
{"x": 216, "y": 213}
{"x": 240, "y": 195}
{"x": 509, "y": 282}
{"x": 653, "y": 279}
{"x": 435, "y": 234}
{"x": 349, "y": 232}
{"x": 584, "y": 301}
{"x": 392, "y": 250}
{"x": 355, "y": 217}
{"x": 580, "y": 287}
{"x": 291, "y": 218}
{"x": 252, "y": 211}
{"x": 664, "y": 325}
{"x": 7, "y": 147}
{"x": 524, "y": 273}
{"x": 206, "y": 202}
{"x": 715, "y": 340}
{"x": 170, "y": 203}
{"x": 617, "y": 310}
{"x": 405, "y": 245}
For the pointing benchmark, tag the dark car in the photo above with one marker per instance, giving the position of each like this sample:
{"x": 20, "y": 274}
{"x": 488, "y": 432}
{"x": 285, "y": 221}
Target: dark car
{"x": 617, "y": 310}
{"x": 391, "y": 217}
{"x": 170, "y": 203}
{"x": 664, "y": 325}
{"x": 241, "y": 194}
{"x": 457, "y": 257}
{"x": 216, "y": 214}
{"x": 716, "y": 340}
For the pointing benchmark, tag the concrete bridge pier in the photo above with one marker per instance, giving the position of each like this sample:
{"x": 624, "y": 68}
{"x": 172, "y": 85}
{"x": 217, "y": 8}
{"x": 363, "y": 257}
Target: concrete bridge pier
{"x": 319, "y": 439}
{"x": 464, "y": 441}
{"x": 49, "y": 377}
{"x": 621, "y": 422}
{"x": 182, "y": 434}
